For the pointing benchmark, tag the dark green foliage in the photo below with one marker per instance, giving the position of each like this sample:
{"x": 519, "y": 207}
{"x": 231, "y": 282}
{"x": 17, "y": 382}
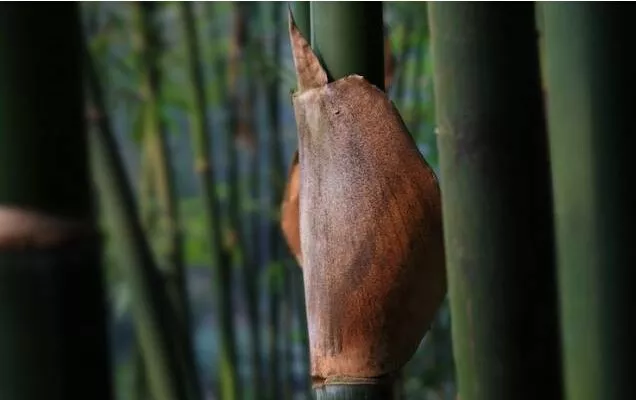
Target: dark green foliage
{"x": 302, "y": 17}
{"x": 162, "y": 343}
{"x": 230, "y": 387}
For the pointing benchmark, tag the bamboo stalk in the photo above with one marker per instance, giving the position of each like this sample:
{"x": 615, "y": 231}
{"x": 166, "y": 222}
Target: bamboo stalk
{"x": 146, "y": 186}
{"x": 302, "y": 16}
{"x": 496, "y": 201}
{"x": 230, "y": 388}
{"x": 590, "y": 83}
{"x": 53, "y": 336}
{"x": 348, "y": 38}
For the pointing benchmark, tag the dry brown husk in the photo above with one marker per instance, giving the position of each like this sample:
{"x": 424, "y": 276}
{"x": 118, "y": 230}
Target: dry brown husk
{"x": 365, "y": 223}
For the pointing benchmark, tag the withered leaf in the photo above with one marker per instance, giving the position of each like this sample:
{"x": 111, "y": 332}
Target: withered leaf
{"x": 370, "y": 226}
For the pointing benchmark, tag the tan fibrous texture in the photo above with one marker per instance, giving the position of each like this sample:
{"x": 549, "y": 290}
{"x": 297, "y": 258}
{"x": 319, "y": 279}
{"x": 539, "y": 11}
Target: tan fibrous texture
{"x": 290, "y": 220}
{"x": 370, "y": 228}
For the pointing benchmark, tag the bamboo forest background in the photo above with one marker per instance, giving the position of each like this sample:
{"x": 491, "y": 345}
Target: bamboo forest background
{"x": 145, "y": 56}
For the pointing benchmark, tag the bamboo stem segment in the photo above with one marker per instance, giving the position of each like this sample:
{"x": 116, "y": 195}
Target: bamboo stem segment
{"x": 591, "y": 87}
{"x": 230, "y": 387}
{"x": 302, "y": 17}
{"x": 348, "y": 38}
{"x": 497, "y": 201}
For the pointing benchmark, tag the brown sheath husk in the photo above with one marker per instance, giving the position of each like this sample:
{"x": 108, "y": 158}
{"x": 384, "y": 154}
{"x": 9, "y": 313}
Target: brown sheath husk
{"x": 290, "y": 219}
{"x": 370, "y": 226}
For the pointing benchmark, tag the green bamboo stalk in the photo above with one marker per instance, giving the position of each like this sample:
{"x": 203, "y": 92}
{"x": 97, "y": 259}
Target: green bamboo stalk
{"x": 230, "y": 388}
{"x": 590, "y": 82}
{"x": 302, "y": 16}
{"x": 53, "y": 336}
{"x": 139, "y": 389}
{"x": 496, "y": 201}
{"x": 162, "y": 346}
{"x": 146, "y": 186}
{"x": 348, "y": 38}
{"x": 147, "y": 215}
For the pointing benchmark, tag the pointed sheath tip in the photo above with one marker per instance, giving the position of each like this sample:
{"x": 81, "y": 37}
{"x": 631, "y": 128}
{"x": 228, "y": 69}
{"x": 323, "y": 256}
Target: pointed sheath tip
{"x": 309, "y": 71}
{"x": 290, "y": 17}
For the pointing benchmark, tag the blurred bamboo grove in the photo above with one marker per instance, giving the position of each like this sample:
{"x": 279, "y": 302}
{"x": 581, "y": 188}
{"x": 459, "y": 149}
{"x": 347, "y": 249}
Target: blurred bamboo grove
{"x": 146, "y": 148}
{"x": 197, "y": 97}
